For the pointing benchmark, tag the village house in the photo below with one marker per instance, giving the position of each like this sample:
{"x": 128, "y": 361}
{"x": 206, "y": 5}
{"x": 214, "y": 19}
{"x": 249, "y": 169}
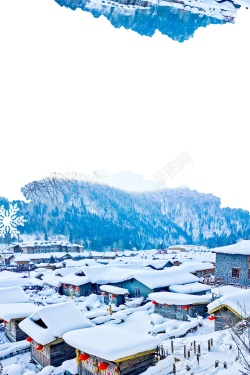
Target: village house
{"x": 14, "y": 307}
{"x": 113, "y": 294}
{"x": 115, "y": 351}
{"x": 233, "y": 264}
{"x": 148, "y": 281}
{"x": 178, "y": 305}
{"x": 45, "y": 329}
{"x": 230, "y": 309}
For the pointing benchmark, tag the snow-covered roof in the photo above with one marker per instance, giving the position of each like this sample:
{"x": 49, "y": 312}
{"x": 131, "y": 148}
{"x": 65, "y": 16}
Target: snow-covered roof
{"x": 113, "y": 289}
{"x": 196, "y": 266}
{"x": 238, "y": 303}
{"x": 13, "y": 294}
{"x": 105, "y": 274}
{"x": 242, "y": 247}
{"x": 189, "y": 288}
{"x": 109, "y": 342}
{"x": 178, "y": 298}
{"x": 157, "y": 279}
{"x": 74, "y": 279}
{"x": 10, "y": 311}
{"x": 52, "y": 280}
{"x": 59, "y": 319}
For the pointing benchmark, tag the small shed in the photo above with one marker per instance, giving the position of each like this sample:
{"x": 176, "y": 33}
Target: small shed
{"x": 45, "y": 329}
{"x": 113, "y": 294}
{"x": 113, "y": 350}
{"x": 178, "y": 305}
{"x": 230, "y": 309}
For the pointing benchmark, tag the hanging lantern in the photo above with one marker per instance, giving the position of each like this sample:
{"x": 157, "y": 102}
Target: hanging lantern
{"x": 112, "y": 296}
{"x": 185, "y": 307}
{"x": 77, "y": 289}
{"x": 5, "y": 321}
{"x": 154, "y": 303}
{"x": 72, "y": 287}
{"x": 211, "y": 317}
{"x": 104, "y": 293}
{"x": 165, "y": 304}
{"x": 83, "y": 357}
{"x": 65, "y": 285}
{"x": 39, "y": 348}
{"x": 103, "y": 366}
{"x": 29, "y": 339}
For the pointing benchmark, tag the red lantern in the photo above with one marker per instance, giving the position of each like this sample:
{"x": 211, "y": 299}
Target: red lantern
{"x": 65, "y": 285}
{"x": 5, "y": 321}
{"x": 29, "y": 339}
{"x": 77, "y": 289}
{"x": 165, "y": 304}
{"x": 112, "y": 296}
{"x": 154, "y": 303}
{"x": 83, "y": 357}
{"x": 39, "y": 348}
{"x": 104, "y": 293}
{"x": 211, "y": 317}
{"x": 185, "y": 307}
{"x": 72, "y": 287}
{"x": 103, "y": 366}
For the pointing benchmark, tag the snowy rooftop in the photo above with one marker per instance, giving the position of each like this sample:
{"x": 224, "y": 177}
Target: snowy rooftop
{"x": 242, "y": 247}
{"x": 113, "y": 289}
{"x": 13, "y": 295}
{"x": 105, "y": 275}
{"x": 59, "y": 319}
{"x": 10, "y": 311}
{"x": 178, "y": 298}
{"x": 189, "y": 288}
{"x": 157, "y": 279}
{"x": 110, "y": 343}
{"x": 239, "y": 303}
{"x": 74, "y": 279}
{"x": 193, "y": 266}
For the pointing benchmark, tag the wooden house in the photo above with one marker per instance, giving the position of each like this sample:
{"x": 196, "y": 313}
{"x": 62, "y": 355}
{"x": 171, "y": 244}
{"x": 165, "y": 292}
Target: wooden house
{"x": 45, "y": 329}
{"x": 113, "y": 294}
{"x": 12, "y": 314}
{"x": 14, "y": 307}
{"x": 115, "y": 351}
{"x": 178, "y": 305}
{"x": 230, "y": 309}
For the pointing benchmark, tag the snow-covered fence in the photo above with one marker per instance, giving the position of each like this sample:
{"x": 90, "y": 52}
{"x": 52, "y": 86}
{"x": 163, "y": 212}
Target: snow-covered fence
{"x": 16, "y": 352}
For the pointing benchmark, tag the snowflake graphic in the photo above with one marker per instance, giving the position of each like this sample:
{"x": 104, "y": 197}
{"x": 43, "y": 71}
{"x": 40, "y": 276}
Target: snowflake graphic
{"x": 9, "y": 221}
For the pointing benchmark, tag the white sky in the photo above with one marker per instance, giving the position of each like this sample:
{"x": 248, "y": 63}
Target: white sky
{"x": 78, "y": 95}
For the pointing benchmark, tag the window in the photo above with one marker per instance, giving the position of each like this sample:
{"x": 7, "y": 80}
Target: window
{"x": 235, "y": 273}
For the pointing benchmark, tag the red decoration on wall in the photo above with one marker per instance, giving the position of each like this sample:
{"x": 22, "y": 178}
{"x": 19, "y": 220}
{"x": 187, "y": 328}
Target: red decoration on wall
{"x": 83, "y": 357}
{"x": 185, "y": 307}
{"x": 29, "y": 339}
{"x": 39, "y": 348}
{"x": 154, "y": 303}
{"x": 211, "y": 317}
{"x": 77, "y": 289}
{"x": 104, "y": 293}
{"x": 103, "y": 366}
{"x": 112, "y": 296}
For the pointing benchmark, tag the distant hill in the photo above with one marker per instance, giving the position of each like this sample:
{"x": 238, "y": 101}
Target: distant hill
{"x": 100, "y": 215}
